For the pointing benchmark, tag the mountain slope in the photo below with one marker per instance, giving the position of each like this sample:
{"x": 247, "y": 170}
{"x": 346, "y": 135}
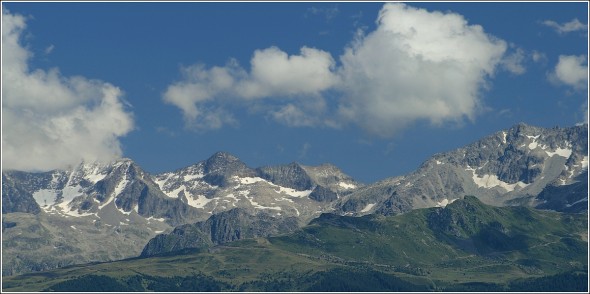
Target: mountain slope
{"x": 93, "y": 212}
{"x": 112, "y": 210}
{"x": 224, "y": 227}
{"x": 464, "y": 245}
{"x": 508, "y": 167}
{"x": 223, "y": 182}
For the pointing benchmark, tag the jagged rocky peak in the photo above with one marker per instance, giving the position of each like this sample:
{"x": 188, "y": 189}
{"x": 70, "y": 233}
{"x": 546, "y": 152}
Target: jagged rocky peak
{"x": 328, "y": 175}
{"x": 221, "y": 166}
{"x": 224, "y": 163}
{"x": 220, "y": 162}
{"x": 291, "y": 175}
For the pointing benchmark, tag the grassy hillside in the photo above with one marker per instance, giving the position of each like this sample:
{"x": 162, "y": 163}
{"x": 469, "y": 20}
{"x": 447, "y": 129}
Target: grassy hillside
{"x": 467, "y": 246}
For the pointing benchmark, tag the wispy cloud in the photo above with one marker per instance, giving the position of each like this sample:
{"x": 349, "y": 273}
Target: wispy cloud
{"x": 49, "y": 49}
{"x": 378, "y": 84}
{"x": 567, "y": 27}
{"x": 514, "y": 61}
{"x": 539, "y": 57}
{"x": 328, "y": 13}
{"x": 52, "y": 121}
{"x": 304, "y": 150}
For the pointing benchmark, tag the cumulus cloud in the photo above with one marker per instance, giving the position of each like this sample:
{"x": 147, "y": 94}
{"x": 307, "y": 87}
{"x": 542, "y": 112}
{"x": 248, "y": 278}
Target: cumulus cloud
{"x": 567, "y": 27}
{"x": 571, "y": 70}
{"x": 274, "y": 75}
{"x": 416, "y": 65}
{"x": 51, "y": 121}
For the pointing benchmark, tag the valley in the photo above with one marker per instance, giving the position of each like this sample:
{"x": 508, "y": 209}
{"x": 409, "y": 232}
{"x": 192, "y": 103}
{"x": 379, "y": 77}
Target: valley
{"x": 465, "y": 246}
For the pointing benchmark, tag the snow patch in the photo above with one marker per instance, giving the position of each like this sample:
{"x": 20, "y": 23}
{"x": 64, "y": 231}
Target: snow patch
{"x": 199, "y": 202}
{"x": 294, "y": 193}
{"x": 256, "y": 205}
{"x": 585, "y": 162}
{"x": 346, "y": 185}
{"x": 94, "y": 178}
{"x": 71, "y": 192}
{"x": 491, "y": 181}
{"x": 503, "y": 137}
{"x": 250, "y": 180}
{"x": 439, "y": 162}
{"x": 368, "y": 207}
{"x": 121, "y": 186}
{"x": 123, "y": 211}
{"x": 192, "y": 177}
{"x": 533, "y": 144}
{"x": 445, "y": 202}
{"x": 45, "y": 197}
{"x": 174, "y": 193}
{"x": 161, "y": 180}
{"x": 156, "y": 219}
{"x": 158, "y": 231}
{"x": 563, "y": 152}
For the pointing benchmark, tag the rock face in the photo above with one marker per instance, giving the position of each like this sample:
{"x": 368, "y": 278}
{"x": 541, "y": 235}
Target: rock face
{"x": 93, "y": 212}
{"x": 15, "y": 198}
{"x": 510, "y": 167}
{"x": 323, "y": 194}
{"x": 110, "y": 211}
{"x": 566, "y": 198}
{"x": 224, "y": 227}
{"x": 223, "y": 182}
{"x": 290, "y": 176}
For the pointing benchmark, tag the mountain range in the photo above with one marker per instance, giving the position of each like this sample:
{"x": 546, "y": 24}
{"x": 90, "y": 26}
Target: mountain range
{"x": 98, "y": 212}
{"x": 464, "y": 246}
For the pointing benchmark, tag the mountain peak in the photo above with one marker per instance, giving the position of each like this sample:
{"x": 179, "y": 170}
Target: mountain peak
{"x": 291, "y": 175}
{"x": 223, "y": 155}
{"x": 220, "y": 162}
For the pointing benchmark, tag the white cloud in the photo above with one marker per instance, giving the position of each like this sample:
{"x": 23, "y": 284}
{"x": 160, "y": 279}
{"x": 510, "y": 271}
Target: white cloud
{"x": 417, "y": 65}
{"x": 274, "y": 75}
{"x": 51, "y": 121}
{"x": 539, "y": 56}
{"x": 328, "y": 13}
{"x": 513, "y": 62}
{"x": 571, "y": 26}
{"x": 571, "y": 70}
{"x": 304, "y": 150}
{"x": 49, "y": 49}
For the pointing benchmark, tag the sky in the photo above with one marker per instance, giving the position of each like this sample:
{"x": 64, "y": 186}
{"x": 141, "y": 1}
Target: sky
{"x": 374, "y": 88}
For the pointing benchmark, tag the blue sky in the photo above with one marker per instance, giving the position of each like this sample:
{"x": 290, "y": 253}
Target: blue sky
{"x": 376, "y": 90}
